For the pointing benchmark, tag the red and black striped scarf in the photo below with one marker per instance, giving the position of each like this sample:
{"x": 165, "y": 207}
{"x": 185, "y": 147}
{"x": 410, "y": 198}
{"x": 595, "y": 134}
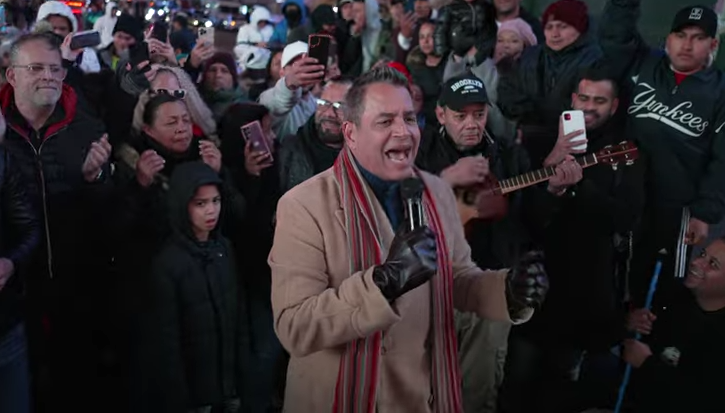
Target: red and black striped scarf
{"x": 357, "y": 379}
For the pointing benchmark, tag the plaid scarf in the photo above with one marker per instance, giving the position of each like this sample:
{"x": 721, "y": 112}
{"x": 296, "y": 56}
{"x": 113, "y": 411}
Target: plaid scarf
{"x": 357, "y": 379}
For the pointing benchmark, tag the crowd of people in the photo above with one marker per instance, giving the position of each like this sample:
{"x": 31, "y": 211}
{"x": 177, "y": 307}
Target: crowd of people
{"x": 411, "y": 227}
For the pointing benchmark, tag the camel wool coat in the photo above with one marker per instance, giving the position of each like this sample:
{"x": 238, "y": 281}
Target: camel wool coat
{"x": 319, "y": 306}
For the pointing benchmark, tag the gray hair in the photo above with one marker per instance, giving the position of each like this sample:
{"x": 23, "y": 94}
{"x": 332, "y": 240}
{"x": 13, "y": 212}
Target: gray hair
{"x": 355, "y": 98}
{"x": 48, "y": 38}
{"x": 199, "y": 112}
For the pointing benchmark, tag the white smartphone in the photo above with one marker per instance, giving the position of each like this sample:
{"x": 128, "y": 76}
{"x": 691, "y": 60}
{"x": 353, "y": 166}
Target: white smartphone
{"x": 573, "y": 120}
{"x": 206, "y": 34}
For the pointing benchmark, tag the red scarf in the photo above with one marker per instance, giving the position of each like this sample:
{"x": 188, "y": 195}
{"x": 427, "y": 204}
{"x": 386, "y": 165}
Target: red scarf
{"x": 357, "y": 380}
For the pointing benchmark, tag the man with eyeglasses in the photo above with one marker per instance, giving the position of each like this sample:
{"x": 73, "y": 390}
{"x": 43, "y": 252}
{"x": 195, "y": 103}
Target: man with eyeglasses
{"x": 62, "y": 155}
{"x": 318, "y": 142}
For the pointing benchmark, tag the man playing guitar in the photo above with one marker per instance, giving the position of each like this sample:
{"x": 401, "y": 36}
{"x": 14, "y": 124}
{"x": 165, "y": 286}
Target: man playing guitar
{"x": 464, "y": 154}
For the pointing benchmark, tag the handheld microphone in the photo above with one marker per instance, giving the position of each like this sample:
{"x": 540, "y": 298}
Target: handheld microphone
{"x": 411, "y": 190}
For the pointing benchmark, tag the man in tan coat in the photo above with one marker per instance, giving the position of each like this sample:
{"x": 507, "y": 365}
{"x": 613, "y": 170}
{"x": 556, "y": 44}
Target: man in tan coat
{"x": 365, "y": 311}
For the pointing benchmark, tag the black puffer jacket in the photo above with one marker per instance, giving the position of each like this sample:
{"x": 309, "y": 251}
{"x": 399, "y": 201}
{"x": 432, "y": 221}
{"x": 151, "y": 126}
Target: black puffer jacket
{"x": 539, "y": 89}
{"x": 51, "y": 162}
{"x": 303, "y": 156}
{"x": 462, "y": 25}
{"x": 194, "y": 333}
{"x": 19, "y": 237}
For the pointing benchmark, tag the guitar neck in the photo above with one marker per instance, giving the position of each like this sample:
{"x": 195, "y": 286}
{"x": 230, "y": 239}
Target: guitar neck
{"x": 541, "y": 175}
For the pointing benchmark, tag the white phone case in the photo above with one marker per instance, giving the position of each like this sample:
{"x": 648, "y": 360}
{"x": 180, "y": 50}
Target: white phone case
{"x": 573, "y": 120}
{"x": 206, "y": 34}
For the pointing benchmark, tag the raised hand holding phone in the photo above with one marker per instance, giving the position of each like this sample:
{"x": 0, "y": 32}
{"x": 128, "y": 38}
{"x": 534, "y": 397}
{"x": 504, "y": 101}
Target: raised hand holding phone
{"x": 306, "y": 71}
{"x": 257, "y": 151}
{"x": 568, "y": 143}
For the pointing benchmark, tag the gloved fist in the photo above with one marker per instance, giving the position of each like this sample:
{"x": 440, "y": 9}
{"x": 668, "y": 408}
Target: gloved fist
{"x": 527, "y": 283}
{"x": 412, "y": 260}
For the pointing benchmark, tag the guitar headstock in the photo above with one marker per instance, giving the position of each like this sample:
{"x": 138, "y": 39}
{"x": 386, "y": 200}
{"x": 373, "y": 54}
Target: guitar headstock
{"x": 625, "y": 152}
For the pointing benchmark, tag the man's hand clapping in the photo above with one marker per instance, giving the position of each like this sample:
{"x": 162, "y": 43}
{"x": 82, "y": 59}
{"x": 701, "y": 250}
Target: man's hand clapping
{"x": 303, "y": 73}
{"x": 98, "y": 155}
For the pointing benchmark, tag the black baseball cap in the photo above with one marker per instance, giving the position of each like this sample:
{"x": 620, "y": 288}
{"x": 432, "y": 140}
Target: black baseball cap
{"x": 699, "y": 16}
{"x": 462, "y": 90}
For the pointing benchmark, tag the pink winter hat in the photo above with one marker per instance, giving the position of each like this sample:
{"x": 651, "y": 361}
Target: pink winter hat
{"x": 521, "y": 28}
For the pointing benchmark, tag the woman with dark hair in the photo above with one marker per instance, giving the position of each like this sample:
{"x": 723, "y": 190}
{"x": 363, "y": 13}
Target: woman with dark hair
{"x": 427, "y": 70}
{"x": 142, "y": 222}
{"x": 256, "y": 175}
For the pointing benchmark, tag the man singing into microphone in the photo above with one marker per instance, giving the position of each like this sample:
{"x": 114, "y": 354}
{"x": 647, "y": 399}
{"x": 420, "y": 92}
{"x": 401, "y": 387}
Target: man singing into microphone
{"x": 363, "y": 304}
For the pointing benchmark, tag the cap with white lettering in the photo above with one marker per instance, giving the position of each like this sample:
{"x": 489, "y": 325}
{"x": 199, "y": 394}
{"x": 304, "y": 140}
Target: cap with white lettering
{"x": 698, "y": 16}
{"x": 461, "y": 91}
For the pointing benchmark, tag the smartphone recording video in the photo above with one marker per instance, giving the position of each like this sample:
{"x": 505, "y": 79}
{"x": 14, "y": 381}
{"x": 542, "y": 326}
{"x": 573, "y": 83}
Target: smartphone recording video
{"x": 319, "y": 47}
{"x": 252, "y": 132}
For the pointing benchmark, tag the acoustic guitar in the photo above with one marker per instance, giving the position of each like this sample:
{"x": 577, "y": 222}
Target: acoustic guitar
{"x": 488, "y": 202}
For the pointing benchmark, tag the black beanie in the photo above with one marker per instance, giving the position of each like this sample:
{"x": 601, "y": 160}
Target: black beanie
{"x": 227, "y": 60}
{"x": 129, "y": 25}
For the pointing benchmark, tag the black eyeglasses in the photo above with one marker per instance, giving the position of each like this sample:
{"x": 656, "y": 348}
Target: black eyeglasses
{"x": 325, "y": 104}
{"x": 175, "y": 93}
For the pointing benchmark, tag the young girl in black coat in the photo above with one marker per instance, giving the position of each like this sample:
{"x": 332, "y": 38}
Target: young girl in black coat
{"x": 194, "y": 326}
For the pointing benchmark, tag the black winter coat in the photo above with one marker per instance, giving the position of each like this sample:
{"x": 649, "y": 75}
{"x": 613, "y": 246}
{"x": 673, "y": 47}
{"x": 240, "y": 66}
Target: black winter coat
{"x": 462, "y": 25}
{"x": 577, "y": 232}
{"x": 51, "y": 162}
{"x": 19, "y": 237}
{"x": 539, "y": 89}
{"x": 142, "y": 222}
{"x": 194, "y": 334}
{"x": 303, "y": 156}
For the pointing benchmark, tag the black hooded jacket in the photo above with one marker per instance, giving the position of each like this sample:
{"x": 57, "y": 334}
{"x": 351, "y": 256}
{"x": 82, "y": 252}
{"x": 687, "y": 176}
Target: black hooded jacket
{"x": 194, "y": 328}
{"x": 141, "y": 222}
{"x": 303, "y": 156}
{"x": 681, "y": 127}
{"x": 539, "y": 89}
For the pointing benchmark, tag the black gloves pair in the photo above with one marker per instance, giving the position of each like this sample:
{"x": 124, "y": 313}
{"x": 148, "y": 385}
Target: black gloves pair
{"x": 413, "y": 260}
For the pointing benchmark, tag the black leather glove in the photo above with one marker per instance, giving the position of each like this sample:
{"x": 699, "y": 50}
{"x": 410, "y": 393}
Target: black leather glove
{"x": 527, "y": 283}
{"x": 412, "y": 260}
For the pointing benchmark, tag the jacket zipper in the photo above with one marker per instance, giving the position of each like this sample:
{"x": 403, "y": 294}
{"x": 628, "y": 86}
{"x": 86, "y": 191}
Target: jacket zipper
{"x": 674, "y": 90}
{"x": 39, "y": 162}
